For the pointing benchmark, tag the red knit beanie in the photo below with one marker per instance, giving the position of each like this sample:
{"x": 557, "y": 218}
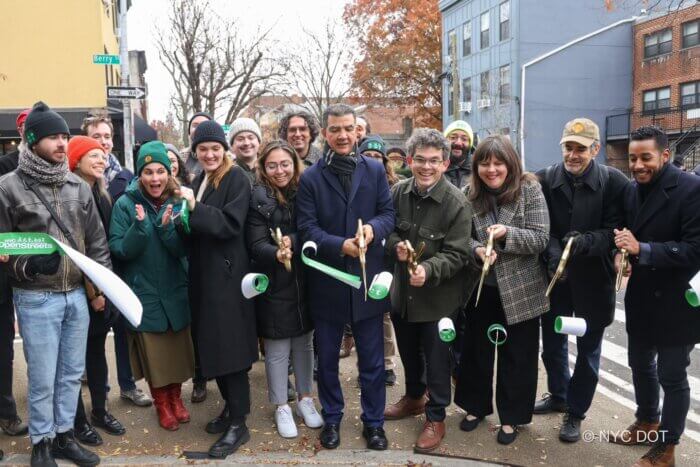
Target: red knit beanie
{"x": 78, "y": 146}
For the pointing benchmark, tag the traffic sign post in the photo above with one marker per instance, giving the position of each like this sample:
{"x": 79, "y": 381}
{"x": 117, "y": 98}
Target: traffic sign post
{"x": 103, "y": 59}
{"x": 126, "y": 92}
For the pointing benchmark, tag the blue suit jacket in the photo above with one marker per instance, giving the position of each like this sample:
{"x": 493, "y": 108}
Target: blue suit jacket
{"x": 327, "y": 216}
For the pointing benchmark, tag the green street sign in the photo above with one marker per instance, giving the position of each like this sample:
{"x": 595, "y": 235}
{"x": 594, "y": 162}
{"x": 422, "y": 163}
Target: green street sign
{"x": 101, "y": 59}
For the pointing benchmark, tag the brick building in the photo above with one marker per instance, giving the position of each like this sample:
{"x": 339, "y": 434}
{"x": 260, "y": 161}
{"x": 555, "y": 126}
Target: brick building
{"x": 666, "y": 85}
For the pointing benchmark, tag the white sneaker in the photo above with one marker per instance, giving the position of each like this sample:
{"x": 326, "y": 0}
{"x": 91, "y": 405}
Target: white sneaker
{"x": 285, "y": 422}
{"x": 307, "y": 411}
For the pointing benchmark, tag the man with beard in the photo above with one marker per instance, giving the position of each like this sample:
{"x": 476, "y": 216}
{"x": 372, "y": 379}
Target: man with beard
{"x": 333, "y": 195}
{"x": 662, "y": 238}
{"x": 461, "y": 138}
{"x": 42, "y": 195}
{"x": 300, "y": 129}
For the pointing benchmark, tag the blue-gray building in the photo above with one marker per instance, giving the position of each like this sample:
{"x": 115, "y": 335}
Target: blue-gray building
{"x": 495, "y": 39}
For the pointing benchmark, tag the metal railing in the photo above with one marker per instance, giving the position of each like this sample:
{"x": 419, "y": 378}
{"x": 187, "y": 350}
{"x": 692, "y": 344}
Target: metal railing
{"x": 672, "y": 120}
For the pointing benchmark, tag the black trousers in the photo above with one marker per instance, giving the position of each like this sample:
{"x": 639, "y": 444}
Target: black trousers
{"x": 426, "y": 363}
{"x": 97, "y": 373}
{"x": 8, "y": 409}
{"x": 516, "y": 377}
{"x": 235, "y": 390}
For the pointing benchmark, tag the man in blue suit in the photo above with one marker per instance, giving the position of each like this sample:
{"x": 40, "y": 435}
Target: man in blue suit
{"x": 333, "y": 194}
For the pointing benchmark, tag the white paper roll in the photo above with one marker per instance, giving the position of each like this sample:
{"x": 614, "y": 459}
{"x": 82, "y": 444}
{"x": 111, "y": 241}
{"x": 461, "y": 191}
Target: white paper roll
{"x": 695, "y": 283}
{"x": 570, "y": 325}
{"x": 379, "y": 288}
{"x": 254, "y": 284}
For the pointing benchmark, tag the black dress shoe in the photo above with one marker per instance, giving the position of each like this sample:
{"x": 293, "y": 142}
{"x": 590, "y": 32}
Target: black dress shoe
{"x": 389, "y": 377}
{"x": 549, "y": 404}
{"x": 235, "y": 436}
{"x": 507, "y": 438}
{"x": 330, "y": 436}
{"x": 469, "y": 425}
{"x": 66, "y": 447}
{"x": 570, "y": 430}
{"x": 199, "y": 392}
{"x": 220, "y": 423}
{"x": 376, "y": 438}
{"x": 108, "y": 423}
{"x": 87, "y": 435}
{"x": 13, "y": 426}
{"x": 41, "y": 454}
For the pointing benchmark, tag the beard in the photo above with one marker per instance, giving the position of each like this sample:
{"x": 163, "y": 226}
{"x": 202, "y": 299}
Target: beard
{"x": 461, "y": 152}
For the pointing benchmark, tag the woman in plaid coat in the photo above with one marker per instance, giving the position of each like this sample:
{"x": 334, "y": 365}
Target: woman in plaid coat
{"x": 511, "y": 204}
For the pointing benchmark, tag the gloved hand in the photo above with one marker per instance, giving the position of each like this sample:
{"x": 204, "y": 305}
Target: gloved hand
{"x": 43, "y": 264}
{"x": 581, "y": 244}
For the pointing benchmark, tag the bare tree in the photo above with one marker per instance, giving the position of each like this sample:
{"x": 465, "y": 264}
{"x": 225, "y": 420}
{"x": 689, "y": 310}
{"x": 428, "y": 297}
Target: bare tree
{"x": 320, "y": 71}
{"x": 213, "y": 66}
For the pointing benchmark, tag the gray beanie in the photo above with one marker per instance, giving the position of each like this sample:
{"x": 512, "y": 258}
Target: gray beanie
{"x": 242, "y": 124}
{"x": 173, "y": 149}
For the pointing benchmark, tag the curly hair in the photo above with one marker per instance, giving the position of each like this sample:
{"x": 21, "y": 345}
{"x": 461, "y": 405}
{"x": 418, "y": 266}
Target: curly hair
{"x": 310, "y": 120}
{"x": 651, "y": 132}
{"x": 427, "y": 138}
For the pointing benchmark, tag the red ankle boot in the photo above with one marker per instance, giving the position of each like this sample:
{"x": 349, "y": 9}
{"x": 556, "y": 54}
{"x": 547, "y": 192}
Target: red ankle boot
{"x": 161, "y": 401}
{"x": 181, "y": 413}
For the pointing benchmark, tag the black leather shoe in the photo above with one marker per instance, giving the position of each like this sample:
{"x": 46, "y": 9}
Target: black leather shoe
{"x": 549, "y": 404}
{"x": 220, "y": 423}
{"x": 87, "y": 435}
{"x": 507, "y": 438}
{"x": 330, "y": 436}
{"x": 199, "y": 392}
{"x": 389, "y": 377}
{"x": 570, "y": 430}
{"x": 376, "y": 438}
{"x": 13, "y": 426}
{"x": 66, "y": 447}
{"x": 108, "y": 423}
{"x": 41, "y": 454}
{"x": 469, "y": 425}
{"x": 235, "y": 436}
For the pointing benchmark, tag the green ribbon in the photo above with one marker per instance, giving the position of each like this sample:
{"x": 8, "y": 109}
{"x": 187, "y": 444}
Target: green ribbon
{"x": 692, "y": 298}
{"x": 27, "y": 243}
{"x": 344, "y": 277}
{"x": 185, "y": 216}
{"x": 497, "y": 329}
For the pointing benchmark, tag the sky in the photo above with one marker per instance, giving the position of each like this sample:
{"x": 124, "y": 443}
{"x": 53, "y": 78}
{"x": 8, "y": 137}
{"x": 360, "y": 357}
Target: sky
{"x": 284, "y": 16}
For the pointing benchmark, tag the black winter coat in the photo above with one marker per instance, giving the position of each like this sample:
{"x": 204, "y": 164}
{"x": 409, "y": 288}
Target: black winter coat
{"x": 282, "y": 311}
{"x": 669, "y": 221}
{"x": 594, "y": 209}
{"x": 223, "y": 320}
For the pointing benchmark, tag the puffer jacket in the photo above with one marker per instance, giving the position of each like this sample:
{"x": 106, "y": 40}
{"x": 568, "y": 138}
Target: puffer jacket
{"x": 282, "y": 310}
{"x": 22, "y": 211}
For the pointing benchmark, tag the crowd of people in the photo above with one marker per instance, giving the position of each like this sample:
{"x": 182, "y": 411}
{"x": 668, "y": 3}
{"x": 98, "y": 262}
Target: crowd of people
{"x": 465, "y": 231}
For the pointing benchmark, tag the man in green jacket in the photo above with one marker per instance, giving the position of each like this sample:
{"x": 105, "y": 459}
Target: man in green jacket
{"x": 433, "y": 212}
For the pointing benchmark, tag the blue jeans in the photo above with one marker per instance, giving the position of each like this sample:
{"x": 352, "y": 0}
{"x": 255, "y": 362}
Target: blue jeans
{"x": 665, "y": 366}
{"x": 54, "y": 328}
{"x": 577, "y": 390}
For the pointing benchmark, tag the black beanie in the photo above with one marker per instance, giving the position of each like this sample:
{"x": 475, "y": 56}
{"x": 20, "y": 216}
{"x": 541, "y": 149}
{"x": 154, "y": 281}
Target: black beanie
{"x": 207, "y": 132}
{"x": 42, "y": 122}
{"x": 198, "y": 114}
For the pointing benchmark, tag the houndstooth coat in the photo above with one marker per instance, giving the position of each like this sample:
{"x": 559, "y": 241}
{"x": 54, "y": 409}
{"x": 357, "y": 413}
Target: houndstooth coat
{"x": 521, "y": 276}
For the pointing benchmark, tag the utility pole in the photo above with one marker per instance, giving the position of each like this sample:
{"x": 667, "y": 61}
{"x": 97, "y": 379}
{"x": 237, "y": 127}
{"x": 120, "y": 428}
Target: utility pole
{"x": 124, "y": 59}
{"x": 455, "y": 80}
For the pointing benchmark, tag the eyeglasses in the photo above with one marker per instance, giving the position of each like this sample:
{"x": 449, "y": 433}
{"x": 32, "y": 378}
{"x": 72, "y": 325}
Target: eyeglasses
{"x": 434, "y": 163}
{"x": 297, "y": 129}
{"x": 272, "y": 166}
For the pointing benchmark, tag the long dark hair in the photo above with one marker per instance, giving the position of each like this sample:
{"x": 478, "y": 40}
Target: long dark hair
{"x": 264, "y": 180}
{"x": 501, "y": 148}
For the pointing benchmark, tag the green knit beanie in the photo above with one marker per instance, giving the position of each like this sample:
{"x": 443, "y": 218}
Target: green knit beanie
{"x": 153, "y": 151}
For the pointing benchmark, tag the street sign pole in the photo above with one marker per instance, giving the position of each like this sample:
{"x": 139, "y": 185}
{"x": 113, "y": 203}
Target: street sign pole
{"x": 124, "y": 59}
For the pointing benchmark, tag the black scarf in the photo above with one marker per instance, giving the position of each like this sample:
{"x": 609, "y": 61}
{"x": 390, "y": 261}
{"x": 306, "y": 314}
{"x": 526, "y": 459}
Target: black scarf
{"x": 342, "y": 166}
{"x": 491, "y": 196}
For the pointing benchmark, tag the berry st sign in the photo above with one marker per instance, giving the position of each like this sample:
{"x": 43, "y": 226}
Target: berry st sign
{"x": 101, "y": 59}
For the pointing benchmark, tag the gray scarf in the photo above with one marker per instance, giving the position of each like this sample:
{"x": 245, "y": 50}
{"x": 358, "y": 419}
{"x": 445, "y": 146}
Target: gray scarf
{"x": 43, "y": 171}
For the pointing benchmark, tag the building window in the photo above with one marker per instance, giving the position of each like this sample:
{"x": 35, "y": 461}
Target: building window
{"x": 451, "y": 41}
{"x": 467, "y": 90}
{"x": 504, "y": 83}
{"x": 656, "y": 100}
{"x": 467, "y": 38}
{"x": 505, "y": 21}
{"x": 690, "y": 33}
{"x": 485, "y": 85}
{"x": 690, "y": 95}
{"x": 658, "y": 43}
{"x": 485, "y": 30}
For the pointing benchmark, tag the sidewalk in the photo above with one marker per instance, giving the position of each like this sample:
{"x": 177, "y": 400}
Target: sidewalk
{"x": 145, "y": 443}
